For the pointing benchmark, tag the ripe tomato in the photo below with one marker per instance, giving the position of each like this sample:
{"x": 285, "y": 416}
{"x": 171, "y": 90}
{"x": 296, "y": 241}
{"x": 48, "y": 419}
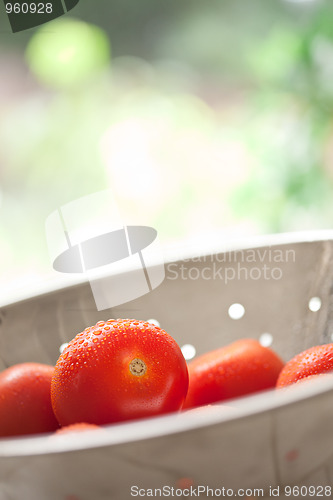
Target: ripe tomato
{"x": 241, "y": 368}
{"x": 313, "y": 361}
{"x": 118, "y": 370}
{"x": 25, "y": 400}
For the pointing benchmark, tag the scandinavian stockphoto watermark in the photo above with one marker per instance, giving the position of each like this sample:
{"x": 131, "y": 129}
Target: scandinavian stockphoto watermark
{"x": 124, "y": 262}
{"x": 300, "y": 491}
{"x": 249, "y": 264}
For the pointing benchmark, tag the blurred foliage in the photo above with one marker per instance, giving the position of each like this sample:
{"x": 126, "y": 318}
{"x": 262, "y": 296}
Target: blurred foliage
{"x": 210, "y": 120}
{"x": 291, "y": 131}
{"x": 73, "y": 52}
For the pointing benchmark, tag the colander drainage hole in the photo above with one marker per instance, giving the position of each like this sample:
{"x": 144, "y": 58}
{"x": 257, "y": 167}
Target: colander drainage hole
{"x": 189, "y": 351}
{"x": 154, "y": 322}
{"x": 63, "y": 347}
{"x": 314, "y": 304}
{"x": 236, "y": 311}
{"x": 266, "y": 339}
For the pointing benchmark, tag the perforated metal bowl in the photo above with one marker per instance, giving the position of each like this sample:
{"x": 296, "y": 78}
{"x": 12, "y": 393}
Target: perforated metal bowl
{"x": 275, "y": 439}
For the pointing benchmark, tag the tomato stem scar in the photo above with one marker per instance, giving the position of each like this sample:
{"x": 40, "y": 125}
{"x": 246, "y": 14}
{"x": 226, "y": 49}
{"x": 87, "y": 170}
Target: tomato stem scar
{"x": 137, "y": 367}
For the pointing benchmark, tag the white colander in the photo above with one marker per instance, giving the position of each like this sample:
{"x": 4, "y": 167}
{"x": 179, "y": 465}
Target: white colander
{"x": 276, "y": 289}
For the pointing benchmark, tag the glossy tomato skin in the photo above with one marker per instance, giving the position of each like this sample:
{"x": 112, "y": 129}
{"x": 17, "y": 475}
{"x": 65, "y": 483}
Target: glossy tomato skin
{"x": 119, "y": 370}
{"x": 25, "y": 400}
{"x": 79, "y": 427}
{"x": 241, "y": 368}
{"x": 314, "y": 361}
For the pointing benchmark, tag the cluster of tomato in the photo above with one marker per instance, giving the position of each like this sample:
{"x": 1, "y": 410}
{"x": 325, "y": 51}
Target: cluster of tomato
{"x": 119, "y": 370}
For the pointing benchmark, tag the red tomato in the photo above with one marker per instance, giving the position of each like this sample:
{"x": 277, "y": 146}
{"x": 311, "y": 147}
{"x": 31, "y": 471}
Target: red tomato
{"x": 313, "y": 361}
{"x": 118, "y": 370}
{"x": 241, "y": 368}
{"x": 25, "y": 401}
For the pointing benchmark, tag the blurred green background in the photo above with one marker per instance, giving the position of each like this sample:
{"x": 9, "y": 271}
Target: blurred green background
{"x": 207, "y": 120}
